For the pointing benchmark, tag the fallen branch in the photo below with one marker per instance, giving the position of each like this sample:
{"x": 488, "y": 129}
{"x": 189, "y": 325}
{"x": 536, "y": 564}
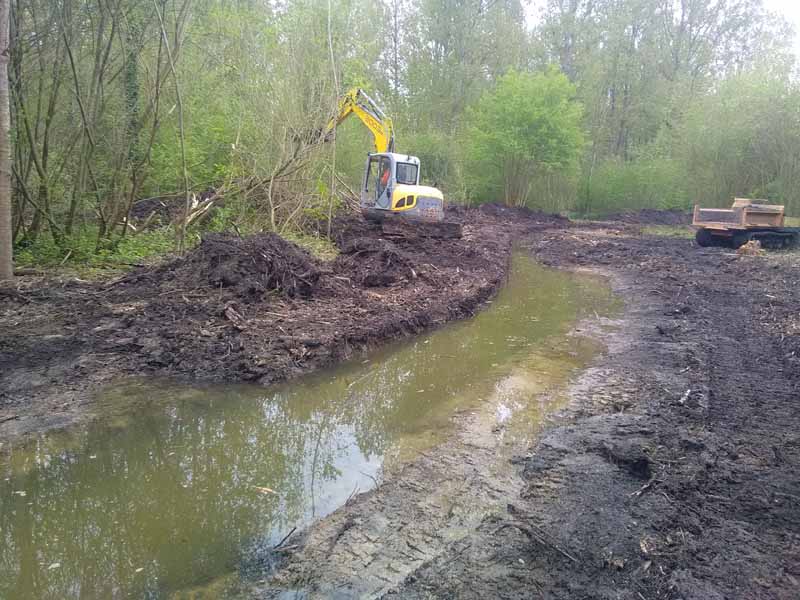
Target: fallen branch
{"x": 352, "y": 201}
{"x": 536, "y": 536}
{"x": 645, "y": 487}
{"x": 286, "y": 537}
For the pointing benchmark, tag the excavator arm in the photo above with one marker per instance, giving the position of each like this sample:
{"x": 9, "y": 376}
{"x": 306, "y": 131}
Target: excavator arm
{"x": 357, "y": 102}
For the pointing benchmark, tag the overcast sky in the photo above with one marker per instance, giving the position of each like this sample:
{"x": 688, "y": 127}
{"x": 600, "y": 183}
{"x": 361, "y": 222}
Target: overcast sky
{"x": 790, "y": 9}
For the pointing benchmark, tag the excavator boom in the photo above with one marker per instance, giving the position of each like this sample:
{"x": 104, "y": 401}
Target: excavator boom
{"x": 357, "y": 102}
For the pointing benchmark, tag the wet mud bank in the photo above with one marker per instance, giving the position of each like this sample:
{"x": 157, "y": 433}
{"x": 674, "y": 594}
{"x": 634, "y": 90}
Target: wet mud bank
{"x": 230, "y": 470}
{"x": 672, "y": 472}
{"x": 677, "y": 471}
{"x": 253, "y": 310}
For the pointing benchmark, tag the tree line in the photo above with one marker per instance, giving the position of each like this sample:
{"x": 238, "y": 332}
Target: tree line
{"x": 594, "y": 106}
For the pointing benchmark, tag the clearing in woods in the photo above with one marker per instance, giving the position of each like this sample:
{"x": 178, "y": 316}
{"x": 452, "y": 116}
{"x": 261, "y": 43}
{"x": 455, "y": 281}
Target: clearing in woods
{"x": 672, "y": 471}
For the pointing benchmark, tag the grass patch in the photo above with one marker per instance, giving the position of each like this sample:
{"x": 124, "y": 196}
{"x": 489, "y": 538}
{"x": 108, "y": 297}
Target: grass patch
{"x": 673, "y": 231}
{"x": 321, "y": 247}
{"x": 792, "y": 222}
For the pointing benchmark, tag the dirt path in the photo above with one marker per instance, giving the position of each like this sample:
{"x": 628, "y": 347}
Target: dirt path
{"x": 673, "y": 475}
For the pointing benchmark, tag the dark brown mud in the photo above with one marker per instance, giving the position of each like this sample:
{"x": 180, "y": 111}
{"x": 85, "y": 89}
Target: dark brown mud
{"x": 650, "y": 216}
{"x": 674, "y": 472}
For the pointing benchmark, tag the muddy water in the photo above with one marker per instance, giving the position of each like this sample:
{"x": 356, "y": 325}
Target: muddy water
{"x": 173, "y": 486}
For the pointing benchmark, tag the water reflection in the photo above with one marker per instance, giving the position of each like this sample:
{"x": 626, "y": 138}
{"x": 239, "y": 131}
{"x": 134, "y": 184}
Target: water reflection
{"x": 172, "y": 482}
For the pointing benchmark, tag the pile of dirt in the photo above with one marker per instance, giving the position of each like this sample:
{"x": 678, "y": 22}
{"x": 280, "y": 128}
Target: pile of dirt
{"x": 375, "y": 262}
{"x": 442, "y": 230}
{"x": 348, "y": 226}
{"x": 652, "y": 216}
{"x": 252, "y": 266}
{"x": 255, "y": 309}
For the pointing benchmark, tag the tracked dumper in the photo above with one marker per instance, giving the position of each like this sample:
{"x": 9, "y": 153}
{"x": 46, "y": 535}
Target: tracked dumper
{"x": 746, "y": 220}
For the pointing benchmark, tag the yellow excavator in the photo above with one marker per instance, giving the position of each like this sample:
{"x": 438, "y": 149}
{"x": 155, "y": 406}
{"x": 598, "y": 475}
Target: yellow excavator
{"x": 390, "y": 187}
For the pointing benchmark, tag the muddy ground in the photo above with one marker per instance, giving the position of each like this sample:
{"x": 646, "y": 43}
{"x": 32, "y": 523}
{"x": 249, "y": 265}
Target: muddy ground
{"x": 673, "y": 473}
{"x": 258, "y": 310}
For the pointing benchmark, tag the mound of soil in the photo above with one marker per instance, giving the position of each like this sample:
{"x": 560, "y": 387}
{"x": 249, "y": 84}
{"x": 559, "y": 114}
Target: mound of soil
{"x": 375, "y": 262}
{"x": 256, "y": 309}
{"x": 252, "y": 266}
{"x": 348, "y": 226}
{"x": 520, "y": 212}
{"x": 652, "y": 216}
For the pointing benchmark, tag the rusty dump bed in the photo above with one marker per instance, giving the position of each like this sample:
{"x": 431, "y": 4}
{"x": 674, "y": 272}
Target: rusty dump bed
{"x": 744, "y": 214}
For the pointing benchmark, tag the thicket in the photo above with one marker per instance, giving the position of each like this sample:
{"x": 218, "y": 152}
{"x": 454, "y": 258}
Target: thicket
{"x": 524, "y": 133}
{"x": 215, "y": 108}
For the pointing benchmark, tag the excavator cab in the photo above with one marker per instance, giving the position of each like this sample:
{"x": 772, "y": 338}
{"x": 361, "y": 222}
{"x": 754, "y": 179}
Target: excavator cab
{"x": 391, "y": 186}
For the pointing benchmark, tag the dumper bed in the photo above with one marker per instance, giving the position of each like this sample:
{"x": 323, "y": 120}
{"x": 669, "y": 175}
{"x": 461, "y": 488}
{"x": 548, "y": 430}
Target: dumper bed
{"x": 746, "y": 220}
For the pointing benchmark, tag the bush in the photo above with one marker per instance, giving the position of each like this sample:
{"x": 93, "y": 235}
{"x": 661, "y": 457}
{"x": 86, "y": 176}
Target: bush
{"x": 80, "y": 250}
{"x": 520, "y": 135}
{"x": 617, "y": 186}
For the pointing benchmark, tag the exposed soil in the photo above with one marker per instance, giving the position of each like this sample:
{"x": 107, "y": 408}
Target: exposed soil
{"x": 650, "y": 216}
{"x": 673, "y": 473}
{"x": 259, "y": 309}
{"x": 676, "y": 473}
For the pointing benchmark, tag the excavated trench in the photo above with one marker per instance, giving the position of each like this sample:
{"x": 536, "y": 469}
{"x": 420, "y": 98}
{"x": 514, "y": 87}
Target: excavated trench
{"x": 176, "y": 490}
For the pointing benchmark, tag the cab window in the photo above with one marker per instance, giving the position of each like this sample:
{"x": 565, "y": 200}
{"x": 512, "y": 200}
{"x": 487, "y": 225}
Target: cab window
{"x": 372, "y": 168}
{"x": 406, "y": 173}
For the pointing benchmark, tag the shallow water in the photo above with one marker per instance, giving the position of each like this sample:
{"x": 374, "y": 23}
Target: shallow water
{"x": 173, "y": 486}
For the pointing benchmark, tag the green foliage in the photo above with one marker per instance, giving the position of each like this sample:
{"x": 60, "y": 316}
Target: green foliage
{"x": 678, "y": 102}
{"x": 80, "y": 250}
{"x": 744, "y": 140}
{"x": 617, "y": 186}
{"x": 324, "y": 203}
{"x": 527, "y": 128}
{"x": 317, "y": 245}
{"x": 438, "y": 159}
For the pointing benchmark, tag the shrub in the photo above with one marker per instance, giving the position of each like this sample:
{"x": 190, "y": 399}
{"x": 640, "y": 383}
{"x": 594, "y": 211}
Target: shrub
{"x": 520, "y": 134}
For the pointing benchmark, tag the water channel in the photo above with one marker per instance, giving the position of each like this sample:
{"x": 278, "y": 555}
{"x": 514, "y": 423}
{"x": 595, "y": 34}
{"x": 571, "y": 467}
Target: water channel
{"x": 173, "y": 485}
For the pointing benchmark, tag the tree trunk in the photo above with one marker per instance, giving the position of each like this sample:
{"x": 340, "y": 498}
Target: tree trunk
{"x": 6, "y": 257}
